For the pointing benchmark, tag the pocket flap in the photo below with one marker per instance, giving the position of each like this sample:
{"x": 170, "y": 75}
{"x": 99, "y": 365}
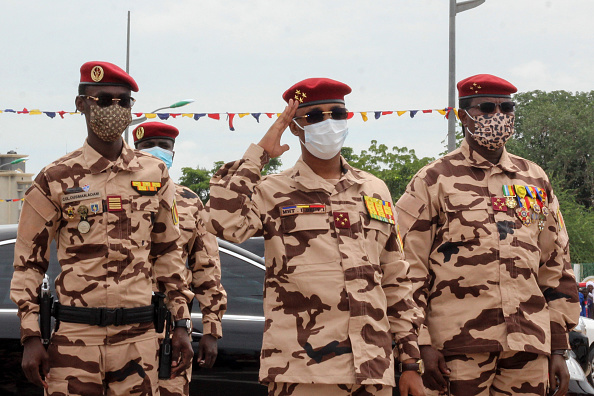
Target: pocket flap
{"x": 462, "y": 202}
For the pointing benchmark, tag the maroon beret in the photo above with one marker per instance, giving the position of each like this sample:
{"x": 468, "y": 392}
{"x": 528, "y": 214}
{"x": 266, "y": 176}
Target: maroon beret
{"x": 485, "y": 85}
{"x": 314, "y": 91}
{"x": 154, "y": 129}
{"x": 105, "y": 73}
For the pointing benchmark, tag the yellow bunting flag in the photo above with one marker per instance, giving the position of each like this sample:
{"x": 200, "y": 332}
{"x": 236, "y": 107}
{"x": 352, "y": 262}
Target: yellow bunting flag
{"x": 241, "y": 115}
{"x": 364, "y": 116}
{"x": 150, "y": 115}
{"x": 442, "y": 112}
{"x": 400, "y": 113}
{"x": 190, "y": 115}
{"x": 36, "y": 111}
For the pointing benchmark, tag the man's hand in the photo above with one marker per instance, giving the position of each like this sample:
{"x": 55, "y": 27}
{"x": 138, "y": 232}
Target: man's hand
{"x": 181, "y": 351}
{"x": 207, "y": 351}
{"x": 410, "y": 383}
{"x": 558, "y": 375}
{"x": 435, "y": 368}
{"x": 35, "y": 361}
{"x": 271, "y": 141}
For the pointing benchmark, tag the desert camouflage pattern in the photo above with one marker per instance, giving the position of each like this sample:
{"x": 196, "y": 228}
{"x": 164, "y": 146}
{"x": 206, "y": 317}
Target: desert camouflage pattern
{"x": 201, "y": 250}
{"x": 114, "y": 263}
{"x": 295, "y": 389}
{"x": 499, "y": 373}
{"x": 486, "y": 281}
{"x": 97, "y": 370}
{"x": 335, "y": 298}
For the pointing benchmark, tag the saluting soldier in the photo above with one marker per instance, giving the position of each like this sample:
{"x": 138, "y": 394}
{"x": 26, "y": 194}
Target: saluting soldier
{"x": 199, "y": 249}
{"x": 112, "y": 212}
{"x": 336, "y": 288}
{"x": 489, "y": 259}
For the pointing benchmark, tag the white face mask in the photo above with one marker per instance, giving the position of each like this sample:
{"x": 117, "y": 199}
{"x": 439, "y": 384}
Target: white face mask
{"x": 325, "y": 139}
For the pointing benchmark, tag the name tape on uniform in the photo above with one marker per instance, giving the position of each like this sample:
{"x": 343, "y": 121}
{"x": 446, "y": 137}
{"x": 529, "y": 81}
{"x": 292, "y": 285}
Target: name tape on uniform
{"x": 379, "y": 209}
{"x": 80, "y": 196}
{"x": 302, "y": 209}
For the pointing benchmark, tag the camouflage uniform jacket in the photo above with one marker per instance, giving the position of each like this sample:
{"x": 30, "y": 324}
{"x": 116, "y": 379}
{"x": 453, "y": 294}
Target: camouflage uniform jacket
{"x": 487, "y": 282}
{"x": 133, "y": 232}
{"x": 201, "y": 250}
{"x": 335, "y": 298}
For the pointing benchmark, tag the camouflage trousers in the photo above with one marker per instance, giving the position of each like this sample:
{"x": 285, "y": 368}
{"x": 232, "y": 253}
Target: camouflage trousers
{"x": 97, "y": 370}
{"x": 286, "y": 389}
{"x": 497, "y": 373}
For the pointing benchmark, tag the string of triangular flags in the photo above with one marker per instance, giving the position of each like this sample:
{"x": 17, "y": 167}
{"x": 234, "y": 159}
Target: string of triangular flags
{"x": 11, "y": 200}
{"x": 365, "y": 115}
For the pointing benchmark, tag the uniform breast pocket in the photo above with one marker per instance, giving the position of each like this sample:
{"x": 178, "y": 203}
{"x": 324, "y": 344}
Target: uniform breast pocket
{"x": 376, "y": 234}
{"x": 143, "y": 213}
{"x": 307, "y": 239}
{"x": 467, "y": 217}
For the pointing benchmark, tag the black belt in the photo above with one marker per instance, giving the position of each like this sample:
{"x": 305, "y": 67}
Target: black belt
{"x": 103, "y": 316}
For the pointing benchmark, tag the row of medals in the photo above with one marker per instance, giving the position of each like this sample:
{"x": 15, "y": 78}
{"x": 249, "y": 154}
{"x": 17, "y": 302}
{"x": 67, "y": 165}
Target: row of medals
{"x": 538, "y": 215}
{"x": 83, "y": 225}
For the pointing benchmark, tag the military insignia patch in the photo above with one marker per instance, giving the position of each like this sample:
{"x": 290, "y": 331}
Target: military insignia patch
{"x": 139, "y": 133}
{"x": 70, "y": 212}
{"x": 97, "y": 73}
{"x": 95, "y": 208}
{"x": 341, "y": 220}
{"x": 86, "y": 188}
{"x": 399, "y": 239}
{"x": 146, "y": 188}
{"x": 499, "y": 204}
{"x": 561, "y": 221}
{"x": 114, "y": 203}
{"x": 379, "y": 209}
{"x": 302, "y": 209}
{"x": 174, "y": 213}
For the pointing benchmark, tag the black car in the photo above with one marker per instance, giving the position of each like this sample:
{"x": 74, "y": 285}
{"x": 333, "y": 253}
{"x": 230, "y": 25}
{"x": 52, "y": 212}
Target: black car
{"x": 236, "y": 369}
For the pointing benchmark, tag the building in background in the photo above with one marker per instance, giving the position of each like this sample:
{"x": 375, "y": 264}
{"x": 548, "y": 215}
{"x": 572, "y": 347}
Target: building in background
{"x": 14, "y": 182}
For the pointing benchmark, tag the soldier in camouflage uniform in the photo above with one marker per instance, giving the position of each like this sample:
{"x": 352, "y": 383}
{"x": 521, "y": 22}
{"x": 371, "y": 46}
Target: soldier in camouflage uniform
{"x": 199, "y": 248}
{"x": 489, "y": 259}
{"x": 111, "y": 210}
{"x": 336, "y": 288}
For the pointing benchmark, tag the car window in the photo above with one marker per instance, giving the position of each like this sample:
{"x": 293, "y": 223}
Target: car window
{"x": 243, "y": 283}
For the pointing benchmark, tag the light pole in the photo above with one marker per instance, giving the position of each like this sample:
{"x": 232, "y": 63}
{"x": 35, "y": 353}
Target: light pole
{"x": 173, "y": 106}
{"x": 455, "y": 8}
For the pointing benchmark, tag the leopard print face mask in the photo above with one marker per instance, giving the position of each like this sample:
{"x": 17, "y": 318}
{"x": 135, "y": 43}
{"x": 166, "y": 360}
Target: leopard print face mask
{"x": 108, "y": 123}
{"x": 492, "y": 130}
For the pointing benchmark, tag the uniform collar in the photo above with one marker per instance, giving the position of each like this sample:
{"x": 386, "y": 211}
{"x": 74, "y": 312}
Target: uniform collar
{"x": 127, "y": 161}
{"x": 478, "y": 161}
{"x": 309, "y": 180}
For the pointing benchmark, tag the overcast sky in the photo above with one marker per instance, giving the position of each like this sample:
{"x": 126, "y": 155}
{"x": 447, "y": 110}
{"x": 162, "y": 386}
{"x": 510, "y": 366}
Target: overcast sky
{"x": 240, "y": 56}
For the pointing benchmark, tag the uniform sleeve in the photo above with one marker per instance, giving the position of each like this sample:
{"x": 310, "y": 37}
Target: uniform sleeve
{"x": 556, "y": 278}
{"x": 404, "y": 315}
{"x": 417, "y": 228}
{"x": 37, "y": 227}
{"x": 205, "y": 265}
{"x": 167, "y": 258}
{"x": 234, "y": 206}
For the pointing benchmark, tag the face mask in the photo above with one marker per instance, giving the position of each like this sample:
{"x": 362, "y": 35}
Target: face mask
{"x": 325, "y": 139}
{"x": 492, "y": 130}
{"x": 164, "y": 155}
{"x": 108, "y": 123}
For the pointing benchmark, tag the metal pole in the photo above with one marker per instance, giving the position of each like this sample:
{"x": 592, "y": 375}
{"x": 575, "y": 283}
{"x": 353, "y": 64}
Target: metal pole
{"x": 127, "y": 64}
{"x": 452, "y": 78}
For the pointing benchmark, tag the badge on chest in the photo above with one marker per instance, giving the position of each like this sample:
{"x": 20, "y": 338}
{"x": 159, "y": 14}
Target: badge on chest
{"x": 379, "y": 209}
{"x": 302, "y": 209}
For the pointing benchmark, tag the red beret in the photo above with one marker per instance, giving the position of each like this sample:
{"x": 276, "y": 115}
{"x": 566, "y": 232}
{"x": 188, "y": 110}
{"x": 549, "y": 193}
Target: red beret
{"x": 314, "y": 91}
{"x": 151, "y": 130}
{"x": 485, "y": 85}
{"x": 105, "y": 73}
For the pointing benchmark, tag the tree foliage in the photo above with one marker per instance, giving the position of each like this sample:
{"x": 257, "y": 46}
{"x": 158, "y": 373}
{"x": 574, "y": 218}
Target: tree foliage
{"x": 556, "y": 131}
{"x": 395, "y": 166}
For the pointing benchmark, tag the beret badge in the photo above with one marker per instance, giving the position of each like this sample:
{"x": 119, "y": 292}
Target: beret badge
{"x": 140, "y": 133}
{"x": 97, "y": 73}
{"x": 299, "y": 96}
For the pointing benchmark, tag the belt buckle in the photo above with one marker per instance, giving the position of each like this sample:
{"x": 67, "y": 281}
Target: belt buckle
{"x": 112, "y": 316}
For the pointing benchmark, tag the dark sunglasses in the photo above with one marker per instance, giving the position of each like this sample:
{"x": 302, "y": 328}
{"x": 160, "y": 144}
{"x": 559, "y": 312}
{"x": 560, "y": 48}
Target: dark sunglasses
{"x": 316, "y": 116}
{"x": 107, "y": 100}
{"x": 489, "y": 107}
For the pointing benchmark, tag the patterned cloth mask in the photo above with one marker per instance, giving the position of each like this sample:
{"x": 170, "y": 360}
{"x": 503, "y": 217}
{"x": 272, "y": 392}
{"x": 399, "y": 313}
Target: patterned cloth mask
{"x": 108, "y": 123}
{"x": 492, "y": 131}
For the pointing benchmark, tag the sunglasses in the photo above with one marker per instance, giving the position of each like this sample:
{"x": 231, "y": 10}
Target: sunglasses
{"x": 489, "y": 107}
{"x": 107, "y": 100}
{"x": 316, "y": 116}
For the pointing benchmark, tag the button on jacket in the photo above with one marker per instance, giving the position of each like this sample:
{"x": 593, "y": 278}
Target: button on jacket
{"x": 487, "y": 282}
{"x": 201, "y": 250}
{"x": 132, "y": 231}
{"x": 336, "y": 288}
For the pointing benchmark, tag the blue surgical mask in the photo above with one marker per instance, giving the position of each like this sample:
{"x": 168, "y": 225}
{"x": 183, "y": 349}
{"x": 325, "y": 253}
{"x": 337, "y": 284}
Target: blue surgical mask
{"x": 164, "y": 155}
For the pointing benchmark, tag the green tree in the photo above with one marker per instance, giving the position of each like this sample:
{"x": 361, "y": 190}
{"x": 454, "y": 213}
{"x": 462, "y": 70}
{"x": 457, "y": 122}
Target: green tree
{"x": 197, "y": 180}
{"x": 395, "y": 166}
{"x": 556, "y": 131}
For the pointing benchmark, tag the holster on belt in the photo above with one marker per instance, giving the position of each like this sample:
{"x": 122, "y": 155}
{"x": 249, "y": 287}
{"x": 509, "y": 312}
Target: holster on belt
{"x": 46, "y": 301}
{"x": 158, "y": 301}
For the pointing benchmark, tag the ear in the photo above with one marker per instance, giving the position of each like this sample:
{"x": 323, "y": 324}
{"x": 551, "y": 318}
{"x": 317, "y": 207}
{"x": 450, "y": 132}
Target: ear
{"x": 294, "y": 128}
{"x": 80, "y": 104}
{"x": 464, "y": 118}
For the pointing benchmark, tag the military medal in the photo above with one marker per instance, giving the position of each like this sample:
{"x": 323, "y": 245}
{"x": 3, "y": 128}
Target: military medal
{"x": 542, "y": 196}
{"x": 541, "y": 222}
{"x": 70, "y": 212}
{"x": 524, "y": 215}
{"x": 379, "y": 209}
{"x": 510, "y": 196}
{"x": 83, "y": 226}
